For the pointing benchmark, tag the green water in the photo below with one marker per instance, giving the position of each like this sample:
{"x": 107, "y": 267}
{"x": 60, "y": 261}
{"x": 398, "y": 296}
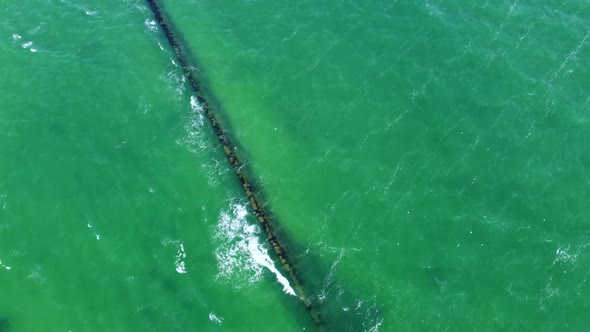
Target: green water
{"x": 428, "y": 166}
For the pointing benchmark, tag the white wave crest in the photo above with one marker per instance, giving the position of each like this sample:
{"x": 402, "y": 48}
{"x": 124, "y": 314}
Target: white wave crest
{"x": 6, "y": 267}
{"x": 4, "y": 203}
{"x": 180, "y": 256}
{"x": 151, "y": 24}
{"x": 241, "y": 257}
{"x": 194, "y": 139}
{"x": 174, "y": 81}
{"x": 198, "y": 110}
{"x": 215, "y": 319}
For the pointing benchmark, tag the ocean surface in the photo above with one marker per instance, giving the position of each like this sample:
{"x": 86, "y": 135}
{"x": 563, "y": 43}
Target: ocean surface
{"x": 426, "y": 163}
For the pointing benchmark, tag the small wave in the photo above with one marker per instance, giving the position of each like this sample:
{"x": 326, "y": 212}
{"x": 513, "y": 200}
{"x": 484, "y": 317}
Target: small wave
{"x": 564, "y": 255}
{"x": 36, "y": 273}
{"x": 27, "y": 44}
{"x": 179, "y": 264}
{"x": 567, "y": 256}
{"x": 329, "y": 279}
{"x": 241, "y": 257}
{"x": 151, "y": 24}
{"x": 36, "y": 29}
{"x": 180, "y": 256}
{"x": 198, "y": 110}
{"x": 3, "y": 202}
{"x": 214, "y": 171}
{"x": 80, "y": 7}
{"x": 215, "y": 319}
{"x": 144, "y": 105}
{"x": 375, "y": 328}
{"x": 548, "y": 294}
{"x": 260, "y": 255}
{"x": 194, "y": 140}
{"x": 233, "y": 258}
{"x": 4, "y": 266}
{"x": 16, "y": 36}
{"x": 174, "y": 82}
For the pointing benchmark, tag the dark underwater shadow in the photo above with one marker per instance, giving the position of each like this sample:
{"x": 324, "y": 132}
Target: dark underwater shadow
{"x": 4, "y": 324}
{"x": 310, "y": 284}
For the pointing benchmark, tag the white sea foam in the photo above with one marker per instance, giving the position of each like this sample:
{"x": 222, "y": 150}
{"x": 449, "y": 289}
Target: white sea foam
{"x": 260, "y": 255}
{"x": 215, "y": 319}
{"x": 180, "y": 256}
{"x": 329, "y": 279}
{"x": 36, "y": 29}
{"x": 194, "y": 139}
{"x": 174, "y": 82}
{"x": 3, "y": 202}
{"x": 566, "y": 256}
{"x": 375, "y": 328}
{"x": 80, "y": 7}
{"x": 241, "y": 257}
{"x": 27, "y": 44}
{"x": 563, "y": 255}
{"x": 144, "y": 105}
{"x": 233, "y": 257}
{"x": 151, "y": 25}
{"x": 6, "y": 267}
{"x": 198, "y": 110}
{"x": 16, "y": 36}
{"x": 36, "y": 273}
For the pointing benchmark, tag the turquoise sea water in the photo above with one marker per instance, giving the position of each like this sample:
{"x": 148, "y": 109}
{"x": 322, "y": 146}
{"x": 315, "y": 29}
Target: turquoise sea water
{"x": 427, "y": 165}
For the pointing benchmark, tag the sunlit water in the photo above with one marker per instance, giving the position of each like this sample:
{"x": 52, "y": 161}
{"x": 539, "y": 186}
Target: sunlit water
{"x": 427, "y": 165}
